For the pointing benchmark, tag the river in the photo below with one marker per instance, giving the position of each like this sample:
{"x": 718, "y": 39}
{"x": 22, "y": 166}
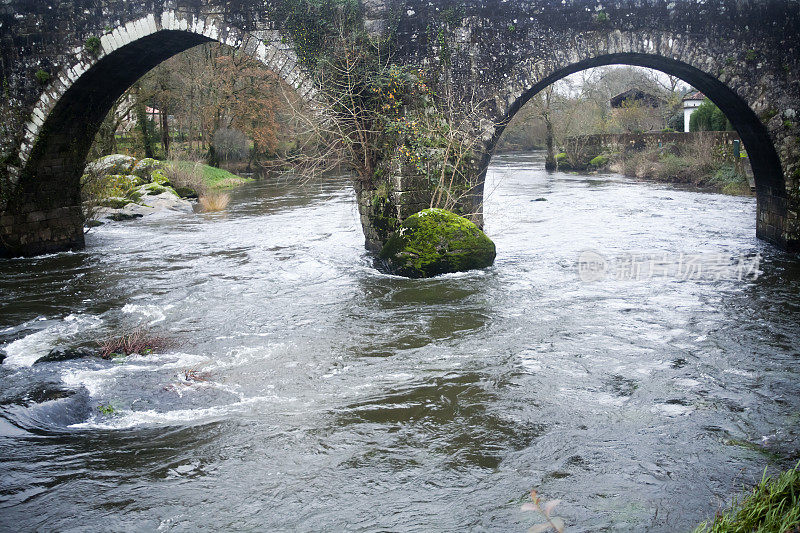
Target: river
{"x": 306, "y": 391}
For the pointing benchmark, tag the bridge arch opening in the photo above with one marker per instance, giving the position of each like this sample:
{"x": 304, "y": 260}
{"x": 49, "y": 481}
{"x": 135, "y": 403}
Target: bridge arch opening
{"x": 73, "y": 106}
{"x": 763, "y": 157}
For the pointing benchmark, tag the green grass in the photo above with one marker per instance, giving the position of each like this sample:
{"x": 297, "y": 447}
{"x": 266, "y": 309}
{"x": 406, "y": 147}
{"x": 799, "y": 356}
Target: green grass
{"x": 772, "y": 506}
{"x": 213, "y": 177}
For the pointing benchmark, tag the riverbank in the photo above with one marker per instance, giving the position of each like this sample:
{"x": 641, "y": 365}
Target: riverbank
{"x": 705, "y": 162}
{"x": 120, "y": 187}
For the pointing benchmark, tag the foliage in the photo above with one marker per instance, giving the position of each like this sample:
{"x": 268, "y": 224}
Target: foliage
{"x": 42, "y": 76}
{"x": 314, "y": 24}
{"x": 773, "y": 506}
{"x": 701, "y": 163}
{"x": 599, "y": 161}
{"x": 708, "y": 117}
{"x": 107, "y": 409}
{"x": 230, "y": 144}
{"x": 93, "y": 45}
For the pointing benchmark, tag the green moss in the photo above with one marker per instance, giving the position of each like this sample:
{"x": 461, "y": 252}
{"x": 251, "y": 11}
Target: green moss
{"x": 436, "y": 241}
{"x": 114, "y": 202}
{"x": 767, "y": 115}
{"x": 186, "y": 192}
{"x": 751, "y": 55}
{"x": 562, "y": 157}
{"x": 154, "y": 189}
{"x": 93, "y": 45}
{"x": 601, "y": 17}
{"x": 42, "y": 76}
{"x": 772, "y": 506}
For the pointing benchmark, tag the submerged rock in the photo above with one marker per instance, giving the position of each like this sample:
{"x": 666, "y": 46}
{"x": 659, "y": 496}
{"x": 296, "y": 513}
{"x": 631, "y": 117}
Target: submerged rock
{"x": 436, "y": 241}
{"x": 2, "y": 356}
{"x": 64, "y": 353}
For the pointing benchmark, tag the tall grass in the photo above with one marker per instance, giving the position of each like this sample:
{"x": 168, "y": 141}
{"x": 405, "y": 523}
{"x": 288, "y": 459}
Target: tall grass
{"x": 215, "y": 201}
{"x": 139, "y": 341}
{"x": 773, "y": 506}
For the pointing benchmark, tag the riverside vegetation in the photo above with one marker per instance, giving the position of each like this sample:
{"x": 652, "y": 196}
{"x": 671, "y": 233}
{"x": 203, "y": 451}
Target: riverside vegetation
{"x": 701, "y": 163}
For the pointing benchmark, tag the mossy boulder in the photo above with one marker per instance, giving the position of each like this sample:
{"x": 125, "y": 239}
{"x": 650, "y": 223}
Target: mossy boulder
{"x": 144, "y": 168}
{"x": 154, "y": 189}
{"x": 186, "y": 192}
{"x": 434, "y": 242}
{"x": 111, "y": 164}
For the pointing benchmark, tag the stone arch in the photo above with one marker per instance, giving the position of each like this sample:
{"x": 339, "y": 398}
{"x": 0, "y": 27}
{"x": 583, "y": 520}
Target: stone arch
{"x": 678, "y": 56}
{"x": 66, "y": 117}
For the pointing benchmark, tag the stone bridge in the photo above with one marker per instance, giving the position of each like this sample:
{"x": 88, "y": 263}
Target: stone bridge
{"x": 497, "y": 54}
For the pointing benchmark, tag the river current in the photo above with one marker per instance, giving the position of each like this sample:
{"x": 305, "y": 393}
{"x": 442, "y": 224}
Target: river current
{"x": 306, "y": 391}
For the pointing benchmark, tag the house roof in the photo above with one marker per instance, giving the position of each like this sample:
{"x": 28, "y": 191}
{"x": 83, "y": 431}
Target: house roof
{"x": 697, "y": 95}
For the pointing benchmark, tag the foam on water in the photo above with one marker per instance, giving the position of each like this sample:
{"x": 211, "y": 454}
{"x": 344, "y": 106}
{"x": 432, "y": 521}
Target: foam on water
{"x": 28, "y": 349}
{"x": 127, "y": 419}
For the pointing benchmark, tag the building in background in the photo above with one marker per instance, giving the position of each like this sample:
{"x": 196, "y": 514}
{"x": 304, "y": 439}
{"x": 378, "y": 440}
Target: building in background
{"x": 691, "y": 102}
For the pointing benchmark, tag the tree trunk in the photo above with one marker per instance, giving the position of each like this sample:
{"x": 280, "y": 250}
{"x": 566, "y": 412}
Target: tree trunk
{"x": 141, "y": 119}
{"x": 550, "y": 160}
{"x": 165, "y": 131}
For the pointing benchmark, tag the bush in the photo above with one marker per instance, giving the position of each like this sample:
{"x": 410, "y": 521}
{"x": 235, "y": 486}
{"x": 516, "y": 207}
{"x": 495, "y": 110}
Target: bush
{"x": 560, "y": 158}
{"x": 599, "y": 161}
{"x": 186, "y": 176}
{"x": 709, "y": 117}
{"x": 214, "y": 202}
{"x": 230, "y": 145}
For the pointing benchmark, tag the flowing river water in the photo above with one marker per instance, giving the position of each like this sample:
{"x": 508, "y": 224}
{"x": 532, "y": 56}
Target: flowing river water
{"x": 306, "y": 391}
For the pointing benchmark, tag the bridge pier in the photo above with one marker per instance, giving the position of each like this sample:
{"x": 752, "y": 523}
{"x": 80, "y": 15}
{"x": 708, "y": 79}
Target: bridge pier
{"x": 40, "y": 222}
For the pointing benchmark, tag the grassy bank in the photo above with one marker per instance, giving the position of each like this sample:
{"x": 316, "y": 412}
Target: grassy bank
{"x": 212, "y": 177}
{"x": 705, "y": 167}
{"x": 773, "y": 506}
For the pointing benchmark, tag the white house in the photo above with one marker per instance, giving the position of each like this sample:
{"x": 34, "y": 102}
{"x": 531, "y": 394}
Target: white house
{"x": 690, "y": 104}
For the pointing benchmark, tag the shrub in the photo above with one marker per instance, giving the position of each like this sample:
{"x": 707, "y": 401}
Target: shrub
{"x": 599, "y": 161}
{"x": 185, "y": 176}
{"x": 709, "y": 117}
{"x": 93, "y": 45}
{"x": 42, "y": 76}
{"x": 561, "y": 157}
{"x": 214, "y": 202}
{"x": 230, "y": 145}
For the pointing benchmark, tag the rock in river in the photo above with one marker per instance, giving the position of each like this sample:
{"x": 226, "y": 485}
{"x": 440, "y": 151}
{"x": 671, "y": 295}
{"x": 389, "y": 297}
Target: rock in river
{"x": 436, "y": 241}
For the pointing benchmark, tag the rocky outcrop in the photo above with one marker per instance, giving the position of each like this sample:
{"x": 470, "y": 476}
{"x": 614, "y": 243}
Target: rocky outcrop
{"x": 124, "y": 188}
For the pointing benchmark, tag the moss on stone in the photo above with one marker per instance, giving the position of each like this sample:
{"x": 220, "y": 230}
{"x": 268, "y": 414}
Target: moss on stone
{"x": 114, "y": 203}
{"x": 599, "y": 161}
{"x": 434, "y": 242}
{"x": 154, "y": 189}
